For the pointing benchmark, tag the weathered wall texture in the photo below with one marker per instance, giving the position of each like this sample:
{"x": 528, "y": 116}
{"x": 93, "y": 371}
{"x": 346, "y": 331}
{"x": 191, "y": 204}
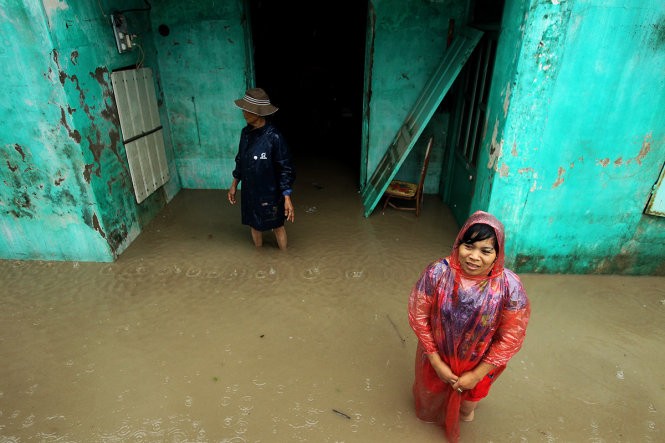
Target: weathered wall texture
{"x": 575, "y": 138}
{"x": 406, "y": 44}
{"x": 576, "y": 135}
{"x": 203, "y": 64}
{"x": 67, "y": 191}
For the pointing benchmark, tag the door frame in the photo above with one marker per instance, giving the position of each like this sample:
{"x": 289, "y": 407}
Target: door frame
{"x": 468, "y": 126}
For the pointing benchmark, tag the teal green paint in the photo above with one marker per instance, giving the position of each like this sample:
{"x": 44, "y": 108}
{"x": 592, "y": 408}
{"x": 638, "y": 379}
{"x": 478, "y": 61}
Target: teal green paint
{"x": 575, "y": 138}
{"x": 203, "y": 65}
{"x": 87, "y": 82}
{"x": 408, "y": 40}
{"x": 70, "y": 195}
{"x": 45, "y": 207}
{"x": 658, "y": 36}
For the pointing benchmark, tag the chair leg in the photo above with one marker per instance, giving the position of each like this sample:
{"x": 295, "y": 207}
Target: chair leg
{"x": 385, "y": 202}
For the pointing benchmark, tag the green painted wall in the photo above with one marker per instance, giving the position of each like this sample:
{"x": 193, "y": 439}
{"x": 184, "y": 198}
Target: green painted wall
{"x": 406, "y": 42}
{"x": 67, "y": 191}
{"x": 204, "y": 67}
{"x": 576, "y": 135}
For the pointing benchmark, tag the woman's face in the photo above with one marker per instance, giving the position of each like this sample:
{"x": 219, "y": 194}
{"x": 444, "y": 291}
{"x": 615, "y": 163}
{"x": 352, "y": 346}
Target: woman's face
{"x": 477, "y": 258}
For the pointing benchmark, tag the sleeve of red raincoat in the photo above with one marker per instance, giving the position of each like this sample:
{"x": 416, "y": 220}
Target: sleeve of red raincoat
{"x": 421, "y": 300}
{"x": 510, "y": 335}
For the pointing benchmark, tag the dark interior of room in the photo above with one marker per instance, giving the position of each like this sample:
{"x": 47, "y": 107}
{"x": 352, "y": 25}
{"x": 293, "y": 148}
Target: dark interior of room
{"x": 309, "y": 57}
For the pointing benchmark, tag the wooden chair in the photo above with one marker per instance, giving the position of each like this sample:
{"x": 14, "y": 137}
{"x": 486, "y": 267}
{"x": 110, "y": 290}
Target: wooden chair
{"x": 407, "y": 191}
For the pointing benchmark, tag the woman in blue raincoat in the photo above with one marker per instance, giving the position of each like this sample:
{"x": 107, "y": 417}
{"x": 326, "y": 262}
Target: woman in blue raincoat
{"x": 264, "y": 167}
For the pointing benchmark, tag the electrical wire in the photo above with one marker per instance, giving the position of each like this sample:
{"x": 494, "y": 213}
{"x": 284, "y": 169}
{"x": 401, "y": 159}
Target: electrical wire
{"x": 139, "y": 62}
{"x": 141, "y": 59}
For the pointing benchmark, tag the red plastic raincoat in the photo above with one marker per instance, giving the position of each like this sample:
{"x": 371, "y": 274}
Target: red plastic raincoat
{"x": 482, "y": 322}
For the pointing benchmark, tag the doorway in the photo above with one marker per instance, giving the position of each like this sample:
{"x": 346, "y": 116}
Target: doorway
{"x": 469, "y": 103}
{"x": 313, "y": 70}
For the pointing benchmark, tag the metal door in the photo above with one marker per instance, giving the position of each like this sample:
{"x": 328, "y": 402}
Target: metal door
{"x": 469, "y": 127}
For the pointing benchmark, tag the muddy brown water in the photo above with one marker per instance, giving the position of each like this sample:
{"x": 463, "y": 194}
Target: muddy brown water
{"x": 195, "y": 335}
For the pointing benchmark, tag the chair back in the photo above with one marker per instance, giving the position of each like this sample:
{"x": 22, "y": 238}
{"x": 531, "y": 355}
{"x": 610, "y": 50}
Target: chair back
{"x": 423, "y": 171}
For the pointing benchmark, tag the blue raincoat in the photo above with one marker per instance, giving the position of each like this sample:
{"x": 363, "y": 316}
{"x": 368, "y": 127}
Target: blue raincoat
{"x": 265, "y": 169}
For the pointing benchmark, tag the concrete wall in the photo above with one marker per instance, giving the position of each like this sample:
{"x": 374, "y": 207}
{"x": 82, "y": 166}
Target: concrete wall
{"x": 576, "y": 135}
{"x": 67, "y": 193}
{"x": 204, "y": 67}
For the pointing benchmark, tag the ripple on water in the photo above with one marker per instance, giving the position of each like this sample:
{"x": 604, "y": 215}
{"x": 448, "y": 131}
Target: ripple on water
{"x": 317, "y": 271}
{"x": 268, "y": 274}
{"x": 175, "y": 428}
{"x": 44, "y": 437}
{"x": 339, "y": 268}
{"x": 356, "y": 275}
{"x": 176, "y": 273}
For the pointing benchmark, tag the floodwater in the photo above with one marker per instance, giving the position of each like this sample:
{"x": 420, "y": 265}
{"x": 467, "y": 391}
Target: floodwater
{"x": 193, "y": 334}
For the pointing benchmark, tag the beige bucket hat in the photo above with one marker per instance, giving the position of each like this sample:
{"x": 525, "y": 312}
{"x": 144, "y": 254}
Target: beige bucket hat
{"x": 257, "y": 102}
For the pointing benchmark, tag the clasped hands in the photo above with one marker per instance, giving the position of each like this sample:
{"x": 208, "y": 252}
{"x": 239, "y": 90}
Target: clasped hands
{"x": 464, "y": 382}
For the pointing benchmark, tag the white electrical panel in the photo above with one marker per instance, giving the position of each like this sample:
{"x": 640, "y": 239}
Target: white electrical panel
{"x": 142, "y": 131}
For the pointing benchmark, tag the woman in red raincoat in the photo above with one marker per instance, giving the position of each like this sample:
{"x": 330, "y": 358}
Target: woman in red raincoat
{"x": 470, "y": 315}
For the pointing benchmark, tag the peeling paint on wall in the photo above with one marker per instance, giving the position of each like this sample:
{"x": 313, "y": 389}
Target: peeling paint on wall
{"x": 96, "y": 141}
{"x": 73, "y": 133}
{"x": 66, "y": 181}
{"x": 646, "y": 147}
{"x": 18, "y": 201}
{"x": 559, "y": 179}
{"x": 20, "y": 151}
{"x": 532, "y": 176}
{"x": 586, "y": 84}
{"x": 513, "y": 151}
{"x": 506, "y": 100}
{"x": 551, "y": 36}
{"x": 496, "y": 147}
{"x": 97, "y": 226}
